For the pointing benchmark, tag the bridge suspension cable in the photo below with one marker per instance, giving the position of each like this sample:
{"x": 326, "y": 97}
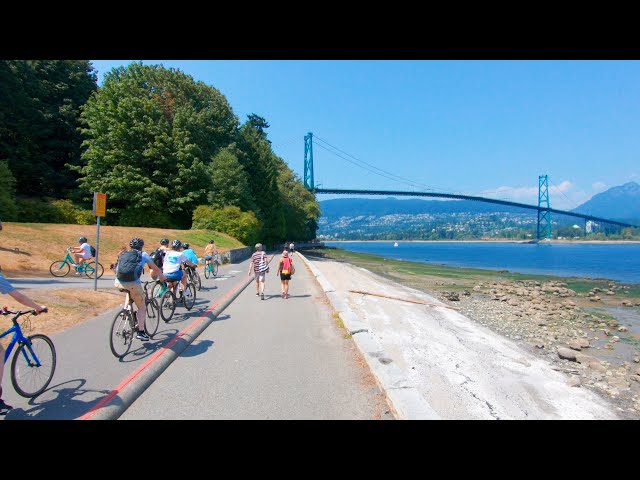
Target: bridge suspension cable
{"x": 372, "y": 168}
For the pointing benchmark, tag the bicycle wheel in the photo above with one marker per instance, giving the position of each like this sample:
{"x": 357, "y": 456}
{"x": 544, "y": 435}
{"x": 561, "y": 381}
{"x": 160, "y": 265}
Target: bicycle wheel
{"x": 196, "y": 280}
{"x": 167, "y": 305}
{"x": 121, "y": 334}
{"x": 215, "y": 268}
{"x": 90, "y": 269}
{"x": 152, "y": 320}
{"x": 189, "y": 296}
{"x": 59, "y": 268}
{"x": 207, "y": 270}
{"x": 27, "y": 377}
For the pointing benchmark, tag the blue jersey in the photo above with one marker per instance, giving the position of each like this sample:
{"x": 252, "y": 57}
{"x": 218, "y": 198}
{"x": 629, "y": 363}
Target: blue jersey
{"x": 5, "y": 286}
{"x": 191, "y": 255}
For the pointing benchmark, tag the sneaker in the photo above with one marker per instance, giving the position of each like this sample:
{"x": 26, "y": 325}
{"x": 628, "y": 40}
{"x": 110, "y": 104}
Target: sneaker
{"x": 263, "y": 296}
{"x": 142, "y": 336}
{"x": 286, "y": 295}
{"x": 4, "y": 408}
{"x": 257, "y": 294}
{"x": 78, "y": 273}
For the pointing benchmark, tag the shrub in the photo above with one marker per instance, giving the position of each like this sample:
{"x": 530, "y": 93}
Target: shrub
{"x": 243, "y": 226}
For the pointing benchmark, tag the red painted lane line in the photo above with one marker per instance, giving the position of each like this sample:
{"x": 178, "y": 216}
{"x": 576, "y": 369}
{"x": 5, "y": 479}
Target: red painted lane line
{"x": 155, "y": 356}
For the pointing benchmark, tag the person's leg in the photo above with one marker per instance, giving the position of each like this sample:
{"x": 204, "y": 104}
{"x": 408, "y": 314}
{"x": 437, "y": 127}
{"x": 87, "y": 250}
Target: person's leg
{"x": 262, "y": 278}
{"x": 282, "y": 288}
{"x": 257, "y": 284}
{"x": 4, "y": 408}
{"x": 286, "y": 289}
{"x": 137, "y": 296}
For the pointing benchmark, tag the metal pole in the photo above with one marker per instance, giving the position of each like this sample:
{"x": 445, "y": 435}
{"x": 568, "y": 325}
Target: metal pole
{"x": 95, "y": 274}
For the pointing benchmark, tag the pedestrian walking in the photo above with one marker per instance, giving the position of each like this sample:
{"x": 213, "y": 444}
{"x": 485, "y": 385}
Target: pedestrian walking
{"x": 260, "y": 267}
{"x": 285, "y": 270}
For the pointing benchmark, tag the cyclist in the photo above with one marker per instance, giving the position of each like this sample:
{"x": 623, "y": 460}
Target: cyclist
{"x": 173, "y": 261}
{"x": 189, "y": 253}
{"x": 6, "y": 287}
{"x": 158, "y": 255}
{"x": 81, "y": 253}
{"x": 134, "y": 286}
{"x": 210, "y": 251}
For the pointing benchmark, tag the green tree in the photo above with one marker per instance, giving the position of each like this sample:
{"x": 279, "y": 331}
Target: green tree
{"x": 230, "y": 184}
{"x": 150, "y": 134}
{"x": 260, "y": 164}
{"x": 300, "y": 207}
{"x": 40, "y": 102}
{"x": 8, "y": 208}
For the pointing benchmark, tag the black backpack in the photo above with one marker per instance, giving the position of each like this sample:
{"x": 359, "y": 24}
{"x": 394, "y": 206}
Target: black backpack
{"x": 158, "y": 257}
{"x": 129, "y": 267}
{"x": 93, "y": 251}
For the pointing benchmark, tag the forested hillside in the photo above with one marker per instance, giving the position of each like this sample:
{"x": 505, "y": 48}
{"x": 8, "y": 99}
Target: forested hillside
{"x": 167, "y": 150}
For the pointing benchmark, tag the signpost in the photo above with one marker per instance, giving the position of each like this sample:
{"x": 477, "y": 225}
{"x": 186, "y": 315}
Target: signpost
{"x": 99, "y": 210}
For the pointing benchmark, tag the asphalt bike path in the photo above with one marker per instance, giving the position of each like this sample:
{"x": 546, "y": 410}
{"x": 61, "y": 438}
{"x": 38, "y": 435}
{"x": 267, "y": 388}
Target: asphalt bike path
{"x": 89, "y": 382}
{"x": 266, "y": 360}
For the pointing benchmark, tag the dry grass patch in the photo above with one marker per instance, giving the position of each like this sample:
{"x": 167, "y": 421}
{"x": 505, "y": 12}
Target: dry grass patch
{"x": 67, "y": 307}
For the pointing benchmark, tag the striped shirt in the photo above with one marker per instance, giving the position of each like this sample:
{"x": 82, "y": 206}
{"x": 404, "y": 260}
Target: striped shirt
{"x": 255, "y": 259}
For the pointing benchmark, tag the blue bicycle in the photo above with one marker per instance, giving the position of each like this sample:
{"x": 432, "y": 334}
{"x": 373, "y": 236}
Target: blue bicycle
{"x": 34, "y": 363}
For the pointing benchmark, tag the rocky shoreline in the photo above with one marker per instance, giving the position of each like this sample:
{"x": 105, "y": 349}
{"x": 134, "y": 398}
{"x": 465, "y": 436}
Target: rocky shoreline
{"x": 555, "y": 322}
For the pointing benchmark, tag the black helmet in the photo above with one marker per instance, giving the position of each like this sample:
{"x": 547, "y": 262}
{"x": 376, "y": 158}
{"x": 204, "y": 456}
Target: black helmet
{"x": 82, "y": 239}
{"x": 164, "y": 241}
{"x": 136, "y": 243}
{"x": 185, "y": 245}
{"x": 211, "y": 241}
{"x": 176, "y": 244}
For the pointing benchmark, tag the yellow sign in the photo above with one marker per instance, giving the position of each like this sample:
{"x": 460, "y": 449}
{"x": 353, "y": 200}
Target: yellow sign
{"x": 99, "y": 204}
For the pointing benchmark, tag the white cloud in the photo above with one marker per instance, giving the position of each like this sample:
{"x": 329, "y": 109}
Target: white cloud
{"x": 599, "y": 187}
{"x": 563, "y": 196}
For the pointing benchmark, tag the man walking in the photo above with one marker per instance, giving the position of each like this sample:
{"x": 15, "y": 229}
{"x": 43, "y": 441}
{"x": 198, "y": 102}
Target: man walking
{"x": 260, "y": 268}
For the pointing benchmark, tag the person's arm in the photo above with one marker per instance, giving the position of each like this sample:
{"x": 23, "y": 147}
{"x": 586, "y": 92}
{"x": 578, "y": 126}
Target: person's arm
{"x": 280, "y": 264}
{"x": 23, "y": 299}
{"x": 250, "y": 266}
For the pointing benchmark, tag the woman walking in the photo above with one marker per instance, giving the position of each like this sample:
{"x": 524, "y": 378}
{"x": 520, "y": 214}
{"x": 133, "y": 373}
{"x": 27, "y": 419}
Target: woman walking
{"x": 285, "y": 270}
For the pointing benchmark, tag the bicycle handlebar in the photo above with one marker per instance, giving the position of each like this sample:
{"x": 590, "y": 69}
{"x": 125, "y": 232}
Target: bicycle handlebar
{"x": 6, "y": 311}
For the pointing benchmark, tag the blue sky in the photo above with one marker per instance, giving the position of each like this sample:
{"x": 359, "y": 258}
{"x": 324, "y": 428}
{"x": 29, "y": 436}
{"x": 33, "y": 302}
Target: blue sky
{"x": 477, "y": 127}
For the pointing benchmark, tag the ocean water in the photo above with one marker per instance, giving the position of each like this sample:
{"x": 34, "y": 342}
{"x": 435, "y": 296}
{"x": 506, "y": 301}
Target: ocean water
{"x": 619, "y": 262}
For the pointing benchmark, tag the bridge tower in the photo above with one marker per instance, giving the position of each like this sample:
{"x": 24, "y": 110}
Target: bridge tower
{"x": 308, "y": 162}
{"x": 544, "y": 215}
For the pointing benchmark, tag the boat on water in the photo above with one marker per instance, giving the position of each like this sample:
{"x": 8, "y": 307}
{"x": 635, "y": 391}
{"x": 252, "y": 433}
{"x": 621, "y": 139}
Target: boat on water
{"x": 395, "y": 244}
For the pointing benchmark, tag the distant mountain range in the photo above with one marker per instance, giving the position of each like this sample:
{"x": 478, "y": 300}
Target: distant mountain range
{"x": 618, "y": 203}
{"x": 416, "y": 218}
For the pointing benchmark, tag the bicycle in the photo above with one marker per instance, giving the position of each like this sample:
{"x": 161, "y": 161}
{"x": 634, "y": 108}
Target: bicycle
{"x": 169, "y": 299}
{"x": 194, "y": 276}
{"x": 61, "y": 268}
{"x": 211, "y": 267}
{"x": 125, "y": 323}
{"x": 34, "y": 363}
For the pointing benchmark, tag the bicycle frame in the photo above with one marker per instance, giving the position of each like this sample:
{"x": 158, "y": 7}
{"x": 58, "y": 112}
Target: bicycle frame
{"x": 82, "y": 268}
{"x": 18, "y": 337}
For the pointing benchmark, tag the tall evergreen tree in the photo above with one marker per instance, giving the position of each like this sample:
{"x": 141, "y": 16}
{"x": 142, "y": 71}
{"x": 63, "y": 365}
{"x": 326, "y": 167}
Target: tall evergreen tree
{"x": 40, "y": 102}
{"x": 258, "y": 161}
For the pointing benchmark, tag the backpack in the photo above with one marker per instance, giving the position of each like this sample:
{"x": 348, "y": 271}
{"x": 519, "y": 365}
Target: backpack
{"x": 93, "y": 251}
{"x": 129, "y": 266}
{"x": 263, "y": 266}
{"x": 287, "y": 267}
{"x": 158, "y": 257}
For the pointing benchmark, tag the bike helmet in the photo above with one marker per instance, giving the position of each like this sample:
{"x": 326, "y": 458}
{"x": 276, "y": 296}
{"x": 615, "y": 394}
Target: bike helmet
{"x": 185, "y": 245}
{"x": 176, "y": 244}
{"x": 136, "y": 243}
{"x": 164, "y": 241}
{"x": 82, "y": 239}
{"x": 211, "y": 241}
